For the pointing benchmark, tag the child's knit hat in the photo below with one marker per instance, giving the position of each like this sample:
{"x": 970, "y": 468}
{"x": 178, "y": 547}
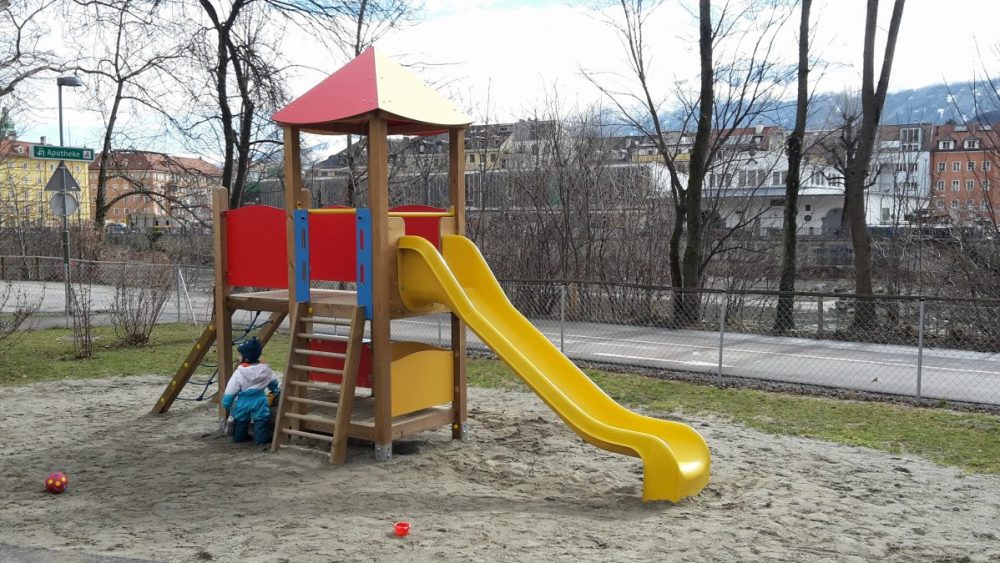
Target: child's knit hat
{"x": 250, "y": 350}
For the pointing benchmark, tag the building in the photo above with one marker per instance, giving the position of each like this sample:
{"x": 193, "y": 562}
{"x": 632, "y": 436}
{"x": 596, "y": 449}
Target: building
{"x": 149, "y": 190}
{"x": 23, "y": 199}
{"x": 964, "y": 175}
{"x": 901, "y": 169}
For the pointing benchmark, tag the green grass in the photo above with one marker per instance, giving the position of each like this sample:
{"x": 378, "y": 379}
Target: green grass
{"x": 48, "y": 354}
{"x": 967, "y": 440}
{"x": 962, "y": 439}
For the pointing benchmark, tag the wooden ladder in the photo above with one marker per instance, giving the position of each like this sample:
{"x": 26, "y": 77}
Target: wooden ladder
{"x": 296, "y": 406}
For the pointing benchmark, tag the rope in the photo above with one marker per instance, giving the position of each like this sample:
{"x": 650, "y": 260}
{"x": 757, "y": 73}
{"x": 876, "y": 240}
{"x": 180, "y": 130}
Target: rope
{"x": 252, "y": 326}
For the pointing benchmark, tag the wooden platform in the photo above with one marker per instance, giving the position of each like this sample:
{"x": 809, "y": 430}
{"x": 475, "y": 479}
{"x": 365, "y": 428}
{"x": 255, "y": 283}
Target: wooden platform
{"x": 362, "y": 425}
{"x": 324, "y": 302}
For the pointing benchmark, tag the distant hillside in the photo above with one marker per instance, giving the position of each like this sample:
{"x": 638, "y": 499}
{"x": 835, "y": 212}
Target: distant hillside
{"x": 931, "y": 104}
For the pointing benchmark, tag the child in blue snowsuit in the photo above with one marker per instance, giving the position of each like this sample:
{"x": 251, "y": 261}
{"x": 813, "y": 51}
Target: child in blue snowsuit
{"x": 245, "y": 397}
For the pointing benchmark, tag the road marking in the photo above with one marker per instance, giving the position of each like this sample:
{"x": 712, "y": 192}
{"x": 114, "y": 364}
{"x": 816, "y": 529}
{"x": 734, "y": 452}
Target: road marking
{"x": 653, "y": 345}
{"x": 806, "y": 356}
{"x": 691, "y": 363}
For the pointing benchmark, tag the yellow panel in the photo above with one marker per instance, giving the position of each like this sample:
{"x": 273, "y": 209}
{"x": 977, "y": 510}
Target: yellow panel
{"x": 675, "y": 457}
{"x": 403, "y": 94}
{"x": 422, "y": 377}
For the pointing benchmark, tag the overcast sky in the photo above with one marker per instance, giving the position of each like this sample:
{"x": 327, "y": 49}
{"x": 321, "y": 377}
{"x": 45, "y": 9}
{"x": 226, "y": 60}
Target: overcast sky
{"x": 505, "y": 57}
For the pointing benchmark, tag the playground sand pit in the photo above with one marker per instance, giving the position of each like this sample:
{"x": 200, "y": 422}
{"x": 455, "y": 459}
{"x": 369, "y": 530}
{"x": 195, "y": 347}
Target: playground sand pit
{"x": 523, "y": 487}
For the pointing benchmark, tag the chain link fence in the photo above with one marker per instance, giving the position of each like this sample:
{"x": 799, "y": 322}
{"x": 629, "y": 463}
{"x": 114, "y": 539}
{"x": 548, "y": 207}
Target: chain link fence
{"x": 930, "y": 348}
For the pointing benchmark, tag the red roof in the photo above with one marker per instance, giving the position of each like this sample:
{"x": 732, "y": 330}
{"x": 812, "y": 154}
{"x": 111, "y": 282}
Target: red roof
{"x": 372, "y": 82}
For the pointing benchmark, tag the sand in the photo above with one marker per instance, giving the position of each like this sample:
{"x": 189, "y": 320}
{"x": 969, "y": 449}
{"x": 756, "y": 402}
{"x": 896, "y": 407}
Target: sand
{"x": 523, "y": 487}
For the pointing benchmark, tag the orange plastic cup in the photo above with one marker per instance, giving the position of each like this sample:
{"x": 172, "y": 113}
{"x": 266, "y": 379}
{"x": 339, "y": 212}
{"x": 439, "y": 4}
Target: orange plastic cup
{"x": 402, "y": 528}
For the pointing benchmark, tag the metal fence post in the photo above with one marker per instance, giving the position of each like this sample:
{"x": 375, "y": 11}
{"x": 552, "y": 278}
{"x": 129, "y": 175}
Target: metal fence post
{"x": 920, "y": 348}
{"x": 562, "y": 318}
{"x": 722, "y": 328}
{"x": 819, "y": 303}
{"x": 177, "y": 289}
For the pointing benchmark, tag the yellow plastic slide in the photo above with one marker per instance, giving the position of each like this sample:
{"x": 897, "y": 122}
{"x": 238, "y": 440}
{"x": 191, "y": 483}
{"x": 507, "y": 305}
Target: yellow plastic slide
{"x": 675, "y": 457}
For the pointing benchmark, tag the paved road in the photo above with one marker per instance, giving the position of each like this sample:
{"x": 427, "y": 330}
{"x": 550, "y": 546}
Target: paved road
{"x": 946, "y": 374}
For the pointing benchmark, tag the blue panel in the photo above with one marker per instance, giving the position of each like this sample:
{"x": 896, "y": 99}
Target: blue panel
{"x": 301, "y": 218}
{"x": 365, "y": 260}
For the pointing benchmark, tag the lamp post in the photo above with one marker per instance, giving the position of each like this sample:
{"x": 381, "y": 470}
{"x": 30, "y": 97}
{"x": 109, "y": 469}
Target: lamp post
{"x": 72, "y": 82}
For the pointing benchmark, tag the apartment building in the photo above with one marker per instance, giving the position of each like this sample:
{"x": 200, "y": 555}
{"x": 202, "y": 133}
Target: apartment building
{"x": 964, "y": 174}
{"x": 23, "y": 199}
{"x": 149, "y": 190}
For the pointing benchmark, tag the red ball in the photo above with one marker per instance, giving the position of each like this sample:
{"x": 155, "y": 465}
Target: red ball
{"x": 56, "y": 482}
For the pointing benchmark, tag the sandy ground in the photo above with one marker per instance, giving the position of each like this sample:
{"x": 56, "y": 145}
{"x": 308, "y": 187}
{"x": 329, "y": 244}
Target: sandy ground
{"x": 523, "y": 487}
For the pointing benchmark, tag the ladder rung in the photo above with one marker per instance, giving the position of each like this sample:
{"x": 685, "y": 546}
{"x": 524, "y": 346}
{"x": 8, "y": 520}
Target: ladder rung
{"x": 310, "y": 418}
{"x": 315, "y": 385}
{"x": 312, "y": 402}
{"x": 318, "y": 370}
{"x": 312, "y": 435}
{"x": 320, "y": 353}
{"x": 327, "y": 337}
{"x": 328, "y": 321}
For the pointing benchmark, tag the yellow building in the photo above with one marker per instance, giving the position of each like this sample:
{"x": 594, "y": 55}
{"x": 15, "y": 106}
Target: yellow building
{"x": 23, "y": 199}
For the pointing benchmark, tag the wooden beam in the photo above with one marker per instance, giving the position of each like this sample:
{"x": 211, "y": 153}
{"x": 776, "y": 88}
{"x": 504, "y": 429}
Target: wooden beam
{"x": 456, "y": 188}
{"x": 383, "y": 259}
{"x": 187, "y": 368}
{"x": 456, "y": 176}
{"x": 223, "y": 314}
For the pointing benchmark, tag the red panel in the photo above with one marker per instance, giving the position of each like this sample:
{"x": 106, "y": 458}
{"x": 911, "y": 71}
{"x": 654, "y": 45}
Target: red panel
{"x": 333, "y": 247}
{"x": 256, "y": 253}
{"x": 426, "y": 227}
{"x": 364, "y": 367}
{"x": 348, "y": 92}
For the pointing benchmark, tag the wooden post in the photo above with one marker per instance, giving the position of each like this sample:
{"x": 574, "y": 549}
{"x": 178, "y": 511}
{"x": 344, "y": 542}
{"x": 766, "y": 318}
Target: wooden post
{"x": 382, "y": 262}
{"x": 456, "y": 188}
{"x": 293, "y": 201}
{"x": 223, "y": 317}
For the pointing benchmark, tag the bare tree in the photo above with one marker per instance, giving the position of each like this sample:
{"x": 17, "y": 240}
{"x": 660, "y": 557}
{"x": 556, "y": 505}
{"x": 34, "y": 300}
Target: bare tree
{"x": 22, "y": 57}
{"x": 859, "y": 154}
{"x": 133, "y": 54}
{"x": 749, "y": 86}
{"x": 783, "y": 319}
{"x": 15, "y": 310}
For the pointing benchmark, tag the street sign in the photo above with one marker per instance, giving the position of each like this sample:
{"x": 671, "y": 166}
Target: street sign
{"x": 63, "y": 204}
{"x": 49, "y": 152}
{"x": 62, "y": 180}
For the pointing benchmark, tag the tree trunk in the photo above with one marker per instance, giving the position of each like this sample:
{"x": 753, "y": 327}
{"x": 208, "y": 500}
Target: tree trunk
{"x": 693, "y": 245}
{"x": 100, "y": 199}
{"x": 872, "y": 102}
{"x": 784, "y": 320}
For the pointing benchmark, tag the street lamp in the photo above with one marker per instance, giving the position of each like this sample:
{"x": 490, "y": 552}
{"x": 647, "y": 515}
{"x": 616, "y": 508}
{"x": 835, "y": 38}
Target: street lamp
{"x": 72, "y": 82}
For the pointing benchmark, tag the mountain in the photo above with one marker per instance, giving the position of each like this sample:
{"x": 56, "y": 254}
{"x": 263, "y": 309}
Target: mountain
{"x": 938, "y": 103}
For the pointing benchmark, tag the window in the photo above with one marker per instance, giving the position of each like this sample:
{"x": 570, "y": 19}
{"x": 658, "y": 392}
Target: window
{"x": 809, "y": 208}
{"x": 940, "y": 185}
{"x": 472, "y": 158}
{"x": 971, "y": 167}
{"x": 946, "y": 145}
{"x": 954, "y": 185}
{"x": 970, "y": 205}
{"x": 956, "y": 166}
{"x": 954, "y": 204}
{"x": 971, "y": 143}
{"x": 778, "y": 177}
{"x": 116, "y": 211}
{"x": 986, "y": 166}
{"x": 885, "y": 214}
{"x": 909, "y": 139}
{"x": 778, "y": 202}
{"x": 986, "y": 185}
{"x": 970, "y": 185}
{"x": 940, "y": 204}
{"x": 940, "y": 167}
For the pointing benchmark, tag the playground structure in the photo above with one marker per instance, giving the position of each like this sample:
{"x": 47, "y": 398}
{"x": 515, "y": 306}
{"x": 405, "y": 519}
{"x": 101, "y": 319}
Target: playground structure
{"x": 402, "y": 262}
